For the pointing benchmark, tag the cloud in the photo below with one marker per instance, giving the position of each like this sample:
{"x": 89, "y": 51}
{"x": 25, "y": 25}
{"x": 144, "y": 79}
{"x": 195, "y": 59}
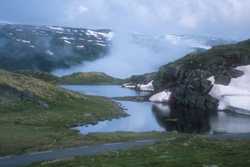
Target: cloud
{"x": 220, "y": 18}
{"x": 227, "y": 18}
{"x": 82, "y": 9}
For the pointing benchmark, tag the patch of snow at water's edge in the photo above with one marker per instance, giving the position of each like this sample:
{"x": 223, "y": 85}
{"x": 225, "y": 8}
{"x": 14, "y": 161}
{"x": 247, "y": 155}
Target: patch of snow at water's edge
{"x": 163, "y": 96}
{"x": 236, "y": 95}
{"x": 149, "y": 87}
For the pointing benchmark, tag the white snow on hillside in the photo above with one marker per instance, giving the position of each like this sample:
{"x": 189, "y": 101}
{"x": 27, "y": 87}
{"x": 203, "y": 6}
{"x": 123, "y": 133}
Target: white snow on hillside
{"x": 67, "y": 42}
{"x": 100, "y": 44}
{"x": 129, "y": 85}
{"x": 109, "y": 35}
{"x": 163, "y": 96}
{"x": 49, "y": 52}
{"x": 148, "y": 87}
{"x": 80, "y": 46}
{"x": 55, "y": 28}
{"x": 202, "y": 46}
{"x": 66, "y": 38}
{"x": 236, "y": 95}
{"x": 23, "y": 41}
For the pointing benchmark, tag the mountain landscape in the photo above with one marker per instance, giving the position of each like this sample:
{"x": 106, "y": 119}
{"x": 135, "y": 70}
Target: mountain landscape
{"x": 124, "y": 83}
{"x": 46, "y": 48}
{"x": 34, "y": 113}
{"x": 187, "y": 79}
{"x": 52, "y": 48}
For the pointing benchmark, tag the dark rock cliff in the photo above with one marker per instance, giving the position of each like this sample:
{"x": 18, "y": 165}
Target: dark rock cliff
{"x": 187, "y": 77}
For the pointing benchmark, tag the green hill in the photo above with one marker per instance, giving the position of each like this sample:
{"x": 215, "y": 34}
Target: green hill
{"x": 34, "y": 114}
{"x": 47, "y": 77}
{"x": 91, "y": 78}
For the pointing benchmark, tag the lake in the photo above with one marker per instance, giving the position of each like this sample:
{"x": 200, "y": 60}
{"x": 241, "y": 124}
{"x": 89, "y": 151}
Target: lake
{"x": 148, "y": 116}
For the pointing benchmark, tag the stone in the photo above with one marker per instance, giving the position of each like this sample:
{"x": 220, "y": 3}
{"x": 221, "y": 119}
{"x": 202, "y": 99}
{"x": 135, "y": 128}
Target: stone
{"x": 222, "y": 79}
{"x": 28, "y": 96}
{"x": 42, "y": 104}
{"x": 200, "y": 102}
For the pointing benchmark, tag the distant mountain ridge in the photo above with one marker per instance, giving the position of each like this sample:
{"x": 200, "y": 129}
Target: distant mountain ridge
{"x": 79, "y": 78}
{"x": 161, "y": 43}
{"x": 45, "y": 48}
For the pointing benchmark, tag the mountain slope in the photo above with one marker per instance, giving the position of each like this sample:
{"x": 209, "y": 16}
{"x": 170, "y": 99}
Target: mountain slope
{"x": 46, "y": 48}
{"x": 91, "y": 78}
{"x": 34, "y": 113}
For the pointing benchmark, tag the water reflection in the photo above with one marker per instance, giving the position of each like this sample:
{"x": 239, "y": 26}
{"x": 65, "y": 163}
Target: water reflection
{"x": 104, "y": 90}
{"x": 223, "y": 122}
{"x": 190, "y": 120}
{"x": 147, "y": 116}
{"x": 181, "y": 119}
{"x": 141, "y": 119}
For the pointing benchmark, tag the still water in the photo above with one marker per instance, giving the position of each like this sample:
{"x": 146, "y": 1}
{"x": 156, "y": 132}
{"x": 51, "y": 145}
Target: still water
{"x": 147, "y": 116}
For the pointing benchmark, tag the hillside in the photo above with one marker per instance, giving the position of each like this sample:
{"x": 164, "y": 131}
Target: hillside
{"x": 47, "y": 77}
{"x": 34, "y": 113}
{"x": 80, "y": 78}
{"x": 46, "y": 48}
{"x": 91, "y": 78}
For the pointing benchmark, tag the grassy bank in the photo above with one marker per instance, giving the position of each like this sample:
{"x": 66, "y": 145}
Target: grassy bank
{"x": 181, "y": 152}
{"x": 34, "y": 114}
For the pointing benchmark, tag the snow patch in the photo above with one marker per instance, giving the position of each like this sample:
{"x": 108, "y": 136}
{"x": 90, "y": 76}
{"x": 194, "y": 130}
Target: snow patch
{"x": 198, "y": 45}
{"x": 129, "y": 85}
{"x": 148, "y": 87}
{"x": 55, "y": 28}
{"x": 109, "y": 35}
{"x": 66, "y": 38}
{"x": 100, "y": 44}
{"x": 23, "y": 41}
{"x": 236, "y": 95}
{"x": 49, "y": 52}
{"x": 80, "y": 46}
{"x": 67, "y": 42}
{"x": 163, "y": 96}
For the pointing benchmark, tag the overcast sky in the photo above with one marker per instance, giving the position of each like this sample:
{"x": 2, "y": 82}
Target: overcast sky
{"x": 221, "y": 18}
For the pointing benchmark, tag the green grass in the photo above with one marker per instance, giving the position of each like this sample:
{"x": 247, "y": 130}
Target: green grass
{"x": 39, "y": 75}
{"x": 90, "y": 78}
{"x": 195, "y": 152}
{"x": 25, "y": 126}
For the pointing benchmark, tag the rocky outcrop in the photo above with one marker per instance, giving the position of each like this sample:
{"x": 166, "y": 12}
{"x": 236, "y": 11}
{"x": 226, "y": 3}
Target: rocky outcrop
{"x": 187, "y": 77}
{"x": 23, "y": 96}
{"x": 136, "y": 81}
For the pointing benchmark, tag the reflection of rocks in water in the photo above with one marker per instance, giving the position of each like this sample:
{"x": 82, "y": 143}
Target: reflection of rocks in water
{"x": 186, "y": 120}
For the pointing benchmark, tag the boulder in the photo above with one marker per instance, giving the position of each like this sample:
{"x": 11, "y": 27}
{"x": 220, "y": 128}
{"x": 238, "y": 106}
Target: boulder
{"x": 28, "y": 96}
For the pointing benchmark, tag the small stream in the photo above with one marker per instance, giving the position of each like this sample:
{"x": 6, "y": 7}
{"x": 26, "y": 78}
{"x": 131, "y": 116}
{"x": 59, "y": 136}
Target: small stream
{"x": 147, "y": 116}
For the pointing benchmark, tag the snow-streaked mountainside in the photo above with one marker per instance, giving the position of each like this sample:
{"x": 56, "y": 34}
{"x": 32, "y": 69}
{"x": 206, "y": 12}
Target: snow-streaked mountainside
{"x": 46, "y": 48}
{"x": 135, "y": 54}
{"x": 162, "y": 43}
{"x": 54, "y": 48}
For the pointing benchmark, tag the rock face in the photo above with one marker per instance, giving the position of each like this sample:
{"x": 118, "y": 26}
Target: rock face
{"x": 187, "y": 77}
{"x": 135, "y": 81}
{"x": 24, "y": 96}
